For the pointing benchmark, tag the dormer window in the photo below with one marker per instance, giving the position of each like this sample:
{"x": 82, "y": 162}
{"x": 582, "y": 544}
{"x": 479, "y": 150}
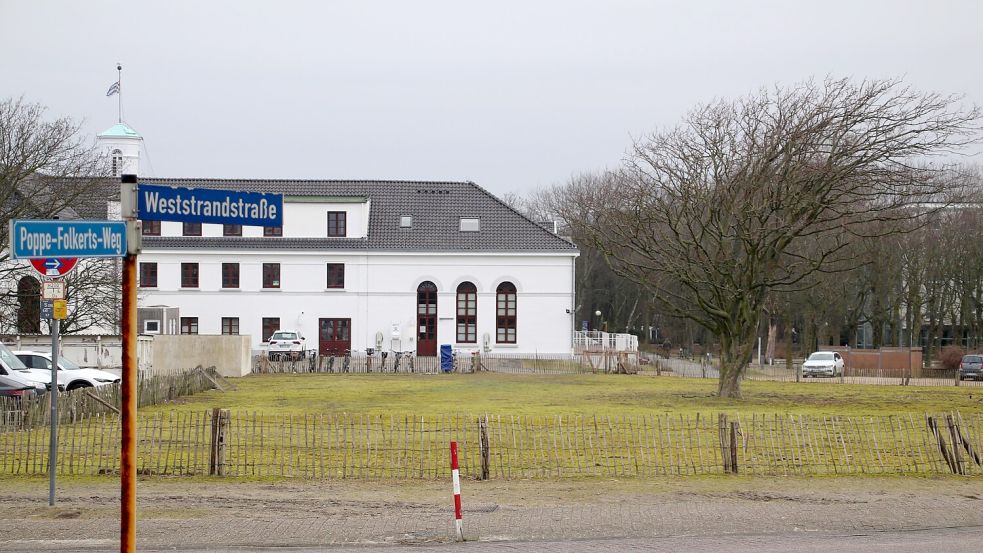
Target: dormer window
{"x": 406, "y": 221}
{"x": 470, "y": 224}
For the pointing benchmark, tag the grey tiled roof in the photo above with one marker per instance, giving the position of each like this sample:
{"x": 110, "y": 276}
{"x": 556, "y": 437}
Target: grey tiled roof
{"x": 436, "y": 208}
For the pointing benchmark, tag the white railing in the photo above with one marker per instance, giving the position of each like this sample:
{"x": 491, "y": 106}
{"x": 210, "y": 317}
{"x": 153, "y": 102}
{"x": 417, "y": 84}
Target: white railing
{"x": 595, "y": 340}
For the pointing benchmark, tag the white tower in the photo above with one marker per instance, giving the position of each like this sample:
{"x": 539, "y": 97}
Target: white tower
{"x": 122, "y": 144}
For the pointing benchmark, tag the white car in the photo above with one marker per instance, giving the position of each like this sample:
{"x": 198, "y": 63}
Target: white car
{"x": 70, "y": 375}
{"x": 286, "y": 343}
{"x": 14, "y": 369}
{"x": 823, "y": 363}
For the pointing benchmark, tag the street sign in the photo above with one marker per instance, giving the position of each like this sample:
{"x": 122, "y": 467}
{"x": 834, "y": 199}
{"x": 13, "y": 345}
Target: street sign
{"x": 60, "y": 309}
{"x": 207, "y": 205}
{"x": 47, "y": 309}
{"x": 60, "y": 239}
{"x": 583, "y": 326}
{"x": 54, "y": 266}
{"x": 53, "y": 289}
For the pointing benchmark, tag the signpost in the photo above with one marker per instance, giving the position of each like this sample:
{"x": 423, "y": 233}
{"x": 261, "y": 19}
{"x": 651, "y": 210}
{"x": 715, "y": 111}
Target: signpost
{"x": 53, "y": 290}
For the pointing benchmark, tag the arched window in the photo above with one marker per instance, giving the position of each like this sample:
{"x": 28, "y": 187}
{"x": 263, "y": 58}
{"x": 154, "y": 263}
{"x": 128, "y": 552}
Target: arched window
{"x": 505, "y": 313}
{"x": 117, "y": 156}
{"x": 29, "y": 306}
{"x": 426, "y": 319}
{"x": 467, "y": 313}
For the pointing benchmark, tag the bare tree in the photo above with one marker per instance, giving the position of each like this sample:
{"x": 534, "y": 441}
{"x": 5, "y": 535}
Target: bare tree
{"x": 35, "y": 155}
{"x": 752, "y": 196}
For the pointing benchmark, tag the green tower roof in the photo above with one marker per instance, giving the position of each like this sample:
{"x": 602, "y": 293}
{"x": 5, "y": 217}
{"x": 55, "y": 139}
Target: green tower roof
{"x": 120, "y": 130}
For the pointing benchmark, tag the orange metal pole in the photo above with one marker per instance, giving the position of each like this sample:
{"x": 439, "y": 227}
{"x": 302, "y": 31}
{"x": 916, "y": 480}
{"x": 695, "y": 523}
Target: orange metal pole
{"x": 128, "y": 407}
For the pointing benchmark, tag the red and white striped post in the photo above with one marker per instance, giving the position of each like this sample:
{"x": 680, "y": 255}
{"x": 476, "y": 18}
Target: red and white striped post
{"x": 456, "y": 475}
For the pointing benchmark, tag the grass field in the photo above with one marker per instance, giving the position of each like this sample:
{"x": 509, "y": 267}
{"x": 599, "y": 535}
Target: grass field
{"x": 584, "y": 394}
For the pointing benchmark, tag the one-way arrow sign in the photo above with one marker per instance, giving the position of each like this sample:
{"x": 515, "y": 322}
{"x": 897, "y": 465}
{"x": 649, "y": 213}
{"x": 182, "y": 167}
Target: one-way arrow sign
{"x": 54, "y": 266}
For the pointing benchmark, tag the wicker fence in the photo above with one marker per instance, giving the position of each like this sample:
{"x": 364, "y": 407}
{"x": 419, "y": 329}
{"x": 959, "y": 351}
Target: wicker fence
{"x": 152, "y": 389}
{"x": 323, "y": 446}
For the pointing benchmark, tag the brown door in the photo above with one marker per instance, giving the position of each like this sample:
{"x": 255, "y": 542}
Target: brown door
{"x": 334, "y": 336}
{"x": 426, "y": 319}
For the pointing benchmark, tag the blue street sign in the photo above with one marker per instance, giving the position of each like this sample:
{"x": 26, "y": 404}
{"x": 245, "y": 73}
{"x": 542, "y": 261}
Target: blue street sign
{"x": 583, "y": 326}
{"x": 48, "y": 309}
{"x": 51, "y": 239}
{"x": 206, "y": 205}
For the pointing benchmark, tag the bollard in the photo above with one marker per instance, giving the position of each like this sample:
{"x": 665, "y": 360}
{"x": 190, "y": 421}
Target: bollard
{"x": 456, "y": 476}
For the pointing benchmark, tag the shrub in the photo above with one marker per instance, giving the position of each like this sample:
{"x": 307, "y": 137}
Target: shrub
{"x": 950, "y": 357}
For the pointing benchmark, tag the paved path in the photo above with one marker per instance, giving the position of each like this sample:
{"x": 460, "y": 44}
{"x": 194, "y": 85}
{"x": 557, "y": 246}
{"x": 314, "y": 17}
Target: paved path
{"x": 235, "y": 516}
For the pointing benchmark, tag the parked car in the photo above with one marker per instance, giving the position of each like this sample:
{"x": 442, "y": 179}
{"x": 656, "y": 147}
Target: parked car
{"x": 11, "y": 387}
{"x": 70, "y": 375}
{"x": 971, "y": 367}
{"x": 823, "y": 363}
{"x": 12, "y": 368}
{"x": 286, "y": 343}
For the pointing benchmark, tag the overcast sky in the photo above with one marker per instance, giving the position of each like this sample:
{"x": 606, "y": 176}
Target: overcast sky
{"x": 511, "y": 95}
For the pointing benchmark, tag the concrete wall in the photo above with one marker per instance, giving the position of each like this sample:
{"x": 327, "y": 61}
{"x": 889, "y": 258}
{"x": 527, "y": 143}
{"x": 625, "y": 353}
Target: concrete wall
{"x": 230, "y": 355}
{"x": 104, "y": 351}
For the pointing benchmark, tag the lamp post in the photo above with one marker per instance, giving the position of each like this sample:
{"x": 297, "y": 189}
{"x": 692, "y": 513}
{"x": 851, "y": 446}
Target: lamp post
{"x": 598, "y": 315}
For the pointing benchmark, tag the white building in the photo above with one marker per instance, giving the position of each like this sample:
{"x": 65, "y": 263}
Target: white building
{"x": 369, "y": 264}
{"x": 390, "y": 265}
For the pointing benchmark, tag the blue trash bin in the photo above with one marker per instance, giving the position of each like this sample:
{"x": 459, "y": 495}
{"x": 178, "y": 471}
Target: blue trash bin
{"x": 446, "y": 358}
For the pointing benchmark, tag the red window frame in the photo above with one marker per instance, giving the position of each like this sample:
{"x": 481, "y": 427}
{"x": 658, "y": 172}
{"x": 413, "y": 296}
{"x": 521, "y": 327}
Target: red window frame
{"x": 148, "y": 275}
{"x": 191, "y": 229}
{"x": 189, "y": 325}
{"x": 336, "y": 275}
{"x": 230, "y": 326}
{"x": 270, "y": 325}
{"x": 272, "y": 231}
{"x": 231, "y": 230}
{"x": 467, "y": 313}
{"x": 337, "y": 224}
{"x": 189, "y": 275}
{"x": 151, "y": 228}
{"x": 230, "y": 275}
{"x": 505, "y": 313}
{"x": 271, "y": 275}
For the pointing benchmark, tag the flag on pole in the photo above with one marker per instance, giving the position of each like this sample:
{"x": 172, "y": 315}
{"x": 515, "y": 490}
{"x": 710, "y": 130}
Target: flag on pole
{"x": 114, "y": 89}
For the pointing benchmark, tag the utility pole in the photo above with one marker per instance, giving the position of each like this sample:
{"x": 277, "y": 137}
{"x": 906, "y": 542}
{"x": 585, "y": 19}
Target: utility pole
{"x": 128, "y": 387}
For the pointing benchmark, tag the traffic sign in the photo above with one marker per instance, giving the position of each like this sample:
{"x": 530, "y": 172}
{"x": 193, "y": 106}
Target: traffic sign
{"x": 60, "y": 239}
{"x": 53, "y": 289}
{"x": 47, "y": 309}
{"x": 54, "y": 266}
{"x": 207, "y": 205}
{"x": 59, "y": 309}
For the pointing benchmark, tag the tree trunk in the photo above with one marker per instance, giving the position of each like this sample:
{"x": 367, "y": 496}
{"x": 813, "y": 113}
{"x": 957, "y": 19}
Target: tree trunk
{"x": 772, "y": 337}
{"x": 734, "y": 356}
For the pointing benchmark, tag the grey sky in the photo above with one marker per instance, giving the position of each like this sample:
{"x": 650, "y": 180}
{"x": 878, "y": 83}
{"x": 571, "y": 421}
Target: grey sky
{"x": 512, "y": 95}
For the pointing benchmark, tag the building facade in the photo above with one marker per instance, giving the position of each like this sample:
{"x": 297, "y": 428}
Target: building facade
{"x": 386, "y": 265}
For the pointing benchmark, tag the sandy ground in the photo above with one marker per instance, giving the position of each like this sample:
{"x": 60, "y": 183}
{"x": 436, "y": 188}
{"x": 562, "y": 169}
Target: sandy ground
{"x": 203, "y": 513}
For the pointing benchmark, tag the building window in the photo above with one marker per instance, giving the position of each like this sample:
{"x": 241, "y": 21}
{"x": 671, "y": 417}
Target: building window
{"x": 151, "y": 327}
{"x": 470, "y": 224}
{"x": 151, "y": 228}
{"x": 270, "y": 325}
{"x": 117, "y": 162}
{"x": 272, "y": 231}
{"x": 467, "y": 313}
{"x": 505, "y": 313}
{"x": 148, "y": 275}
{"x": 191, "y": 229}
{"x": 231, "y": 230}
{"x": 271, "y": 275}
{"x": 189, "y": 325}
{"x": 189, "y": 275}
{"x": 336, "y": 275}
{"x": 406, "y": 221}
{"x": 337, "y": 223}
{"x": 230, "y": 275}
{"x": 230, "y": 325}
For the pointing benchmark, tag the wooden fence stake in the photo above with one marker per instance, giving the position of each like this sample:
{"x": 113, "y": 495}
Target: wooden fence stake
{"x": 733, "y": 447}
{"x": 216, "y": 458}
{"x": 483, "y": 445}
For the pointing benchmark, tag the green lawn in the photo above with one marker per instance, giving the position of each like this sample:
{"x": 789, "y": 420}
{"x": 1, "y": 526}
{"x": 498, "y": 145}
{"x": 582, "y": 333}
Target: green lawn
{"x": 564, "y": 395}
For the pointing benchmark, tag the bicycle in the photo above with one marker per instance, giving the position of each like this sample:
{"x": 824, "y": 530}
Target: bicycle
{"x": 347, "y": 361}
